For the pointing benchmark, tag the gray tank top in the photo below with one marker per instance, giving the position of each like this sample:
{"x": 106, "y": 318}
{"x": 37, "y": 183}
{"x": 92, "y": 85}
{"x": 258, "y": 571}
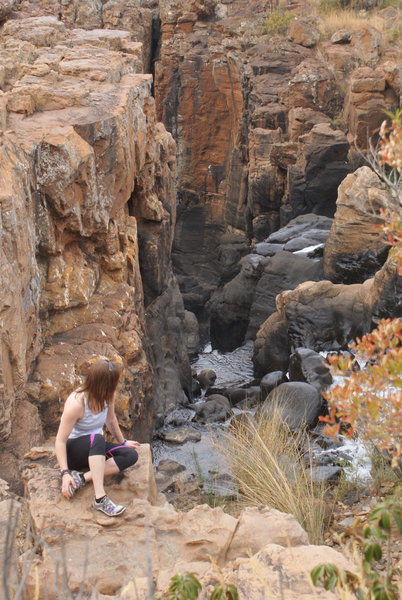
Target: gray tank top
{"x": 90, "y": 423}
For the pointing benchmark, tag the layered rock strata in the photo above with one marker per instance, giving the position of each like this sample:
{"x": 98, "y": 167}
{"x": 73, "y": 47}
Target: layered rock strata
{"x": 255, "y": 118}
{"x": 88, "y": 210}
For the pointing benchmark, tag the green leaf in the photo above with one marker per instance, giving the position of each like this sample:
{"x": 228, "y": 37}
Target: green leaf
{"x": 225, "y": 591}
{"x": 398, "y": 521}
{"x": 385, "y": 521}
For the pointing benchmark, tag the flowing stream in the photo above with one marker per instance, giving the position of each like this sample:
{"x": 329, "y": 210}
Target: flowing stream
{"x": 235, "y": 369}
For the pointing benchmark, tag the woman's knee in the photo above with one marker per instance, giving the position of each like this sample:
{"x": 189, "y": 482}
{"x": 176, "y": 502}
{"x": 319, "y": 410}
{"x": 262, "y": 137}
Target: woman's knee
{"x": 126, "y": 459}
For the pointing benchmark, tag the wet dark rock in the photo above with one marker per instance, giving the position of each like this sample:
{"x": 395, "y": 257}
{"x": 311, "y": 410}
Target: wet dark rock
{"x": 191, "y": 333}
{"x": 169, "y": 466}
{"x": 271, "y": 348}
{"x": 230, "y": 306}
{"x": 271, "y": 381}
{"x": 314, "y": 179}
{"x": 168, "y": 472}
{"x": 299, "y": 244}
{"x": 233, "y": 247}
{"x": 206, "y": 378}
{"x": 267, "y": 249}
{"x": 195, "y": 387}
{"x": 284, "y": 271}
{"x": 298, "y": 403}
{"x": 309, "y": 366}
{"x": 216, "y": 408}
{"x": 236, "y": 395}
{"x": 178, "y": 417}
{"x": 325, "y": 474}
{"x": 300, "y": 225}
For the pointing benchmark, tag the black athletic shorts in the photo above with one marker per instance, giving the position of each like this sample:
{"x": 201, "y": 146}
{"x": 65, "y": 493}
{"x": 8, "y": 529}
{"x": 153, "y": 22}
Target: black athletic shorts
{"x": 80, "y": 448}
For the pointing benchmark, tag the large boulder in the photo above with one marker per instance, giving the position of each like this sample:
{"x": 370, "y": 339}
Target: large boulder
{"x": 271, "y": 381}
{"x": 307, "y": 365}
{"x": 251, "y": 531}
{"x": 304, "y": 31}
{"x": 215, "y": 408}
{"x": 325, "y": 316}
{"x": 297, "y": 403}
{"x": 283, "y": 271}
{"x": 282, "y": 571}
{"x": 355, "y": 249}
{"x": 271, "y": 347}
{"x": 230, "y": 306}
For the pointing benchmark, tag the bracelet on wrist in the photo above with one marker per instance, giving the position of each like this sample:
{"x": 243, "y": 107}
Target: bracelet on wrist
{"x": 64, "y": 471}
{"x": 124, "y": 442}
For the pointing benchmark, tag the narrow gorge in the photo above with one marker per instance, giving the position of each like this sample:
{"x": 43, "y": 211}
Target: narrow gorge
{"x": 174, "y": 173}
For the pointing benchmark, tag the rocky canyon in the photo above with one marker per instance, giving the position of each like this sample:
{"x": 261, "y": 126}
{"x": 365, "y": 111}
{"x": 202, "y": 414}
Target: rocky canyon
{"x": 173, "y": 171}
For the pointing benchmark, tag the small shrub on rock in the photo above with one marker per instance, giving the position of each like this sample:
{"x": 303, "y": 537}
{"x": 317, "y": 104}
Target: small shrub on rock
{"x": 277, "y": 22}
{"x": 372, "y": 543}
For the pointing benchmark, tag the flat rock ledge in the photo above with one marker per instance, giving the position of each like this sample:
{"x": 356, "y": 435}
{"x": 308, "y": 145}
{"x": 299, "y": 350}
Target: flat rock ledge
{"x": 119, "y": 559}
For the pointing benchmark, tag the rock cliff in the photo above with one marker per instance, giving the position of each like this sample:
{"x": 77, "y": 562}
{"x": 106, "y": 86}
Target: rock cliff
{"x": 266, "y": 126}
{"x": 88, "y": 208}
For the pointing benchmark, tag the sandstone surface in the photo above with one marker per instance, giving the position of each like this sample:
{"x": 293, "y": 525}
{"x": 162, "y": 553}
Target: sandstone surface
{"x": 355, "y": 248}
{"x": 152, "y": 540}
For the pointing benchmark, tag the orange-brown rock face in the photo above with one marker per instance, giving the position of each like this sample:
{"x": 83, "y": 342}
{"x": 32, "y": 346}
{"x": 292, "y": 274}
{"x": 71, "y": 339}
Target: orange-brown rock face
{"x": 87, "y": 202}
{"x": 355, "y": 248}
{"x": 224, "y": 92}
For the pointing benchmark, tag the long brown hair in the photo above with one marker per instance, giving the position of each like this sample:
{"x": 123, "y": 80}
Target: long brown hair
{"x": 100, "y": 383}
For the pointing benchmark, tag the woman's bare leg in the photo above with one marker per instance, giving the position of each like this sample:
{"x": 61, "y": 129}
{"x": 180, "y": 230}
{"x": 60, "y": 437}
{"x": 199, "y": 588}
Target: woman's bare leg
{"x": 97, "y": 468}
{"x": 110, "y": 468}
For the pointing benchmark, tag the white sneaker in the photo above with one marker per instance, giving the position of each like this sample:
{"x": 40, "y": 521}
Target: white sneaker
{"x": 107, "y": 506}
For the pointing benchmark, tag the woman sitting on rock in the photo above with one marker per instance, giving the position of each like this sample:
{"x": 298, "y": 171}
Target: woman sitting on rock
{"x": 80, "y": 444}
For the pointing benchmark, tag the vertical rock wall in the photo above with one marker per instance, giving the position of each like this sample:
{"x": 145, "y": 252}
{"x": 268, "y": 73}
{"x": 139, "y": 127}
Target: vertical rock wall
{"x": 87, "y": 191}
{"x": 266, "y": 125}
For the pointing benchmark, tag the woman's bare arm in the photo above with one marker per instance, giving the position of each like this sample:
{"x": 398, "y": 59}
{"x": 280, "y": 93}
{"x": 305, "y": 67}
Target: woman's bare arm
{"x": 73, "y": 410}
{"x": 113, "y": 426}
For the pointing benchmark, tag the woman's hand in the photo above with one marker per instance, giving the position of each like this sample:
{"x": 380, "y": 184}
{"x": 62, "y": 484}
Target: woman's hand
{"x": 132, "y": 444}
{"x": 66, "y": 481}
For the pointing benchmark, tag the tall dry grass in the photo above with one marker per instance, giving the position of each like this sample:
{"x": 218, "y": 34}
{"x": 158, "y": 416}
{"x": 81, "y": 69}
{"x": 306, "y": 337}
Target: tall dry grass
{"x": 270, "y": 469}
{"x": 333, "y": 18}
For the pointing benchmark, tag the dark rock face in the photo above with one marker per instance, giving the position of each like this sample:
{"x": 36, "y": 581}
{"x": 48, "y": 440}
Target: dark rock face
{"x": 321, "y": 166}
{"x": 307, "y": 365}
{"x": 271, "y": 348}
{"x": 271, "y": 381}
{"x": 298, "y": 403}
{"x": 308, "y": 225}
{"x": 326, "y": 316}
{"x": 216, "y": 408}
{"x": 230, "y": 306}
{"x": 168, "y": 351}
{"x": 284, "y": 271}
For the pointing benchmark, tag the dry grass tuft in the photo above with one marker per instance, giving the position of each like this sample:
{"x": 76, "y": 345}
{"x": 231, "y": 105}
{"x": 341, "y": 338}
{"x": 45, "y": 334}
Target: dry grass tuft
{"x": 270, "y": 469}
{"x": 348, "y": 19}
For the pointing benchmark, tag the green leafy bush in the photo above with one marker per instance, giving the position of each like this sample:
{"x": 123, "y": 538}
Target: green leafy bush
{"x": 187, "y": 587}
{"x": 373, "y": 582}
